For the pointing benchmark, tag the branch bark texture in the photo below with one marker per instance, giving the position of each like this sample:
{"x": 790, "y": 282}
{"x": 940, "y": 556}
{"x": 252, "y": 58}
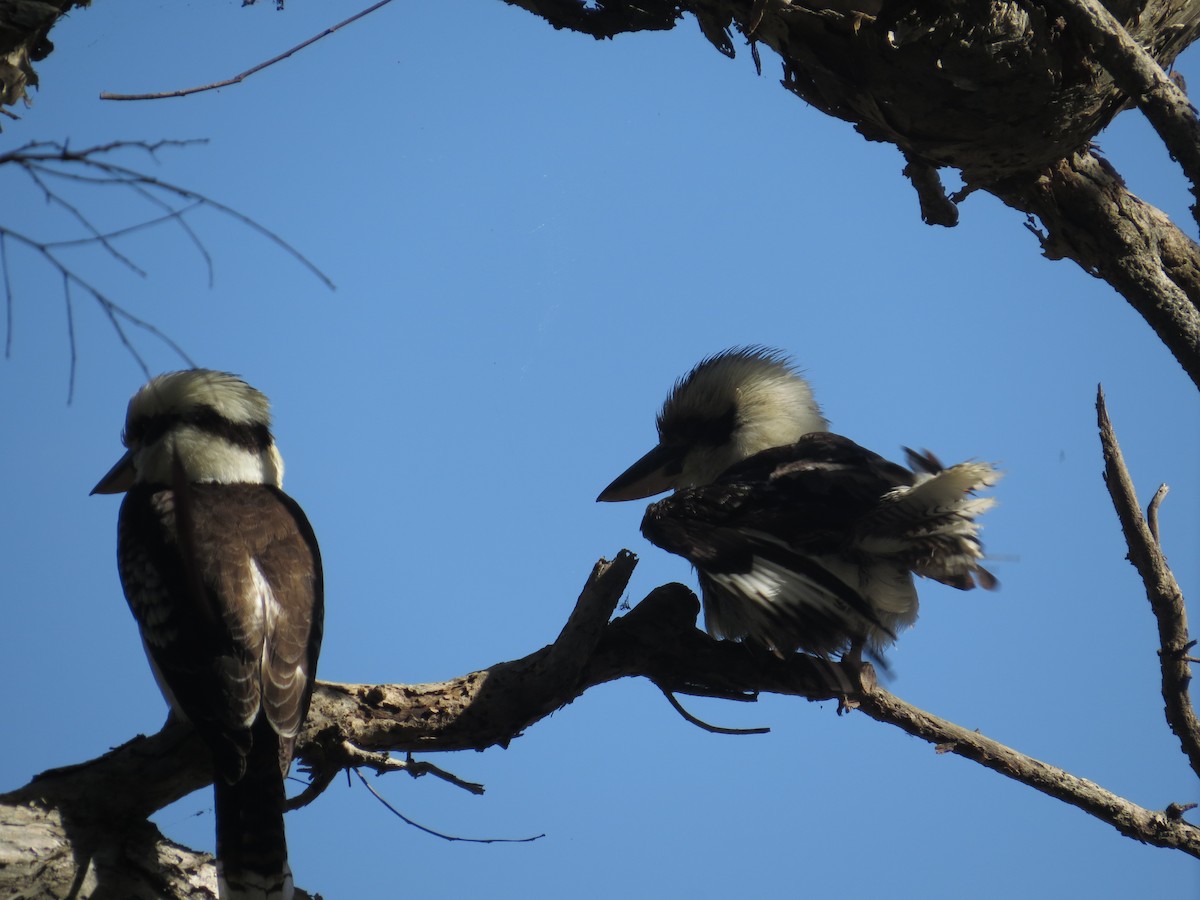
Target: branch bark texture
{"x": 1138, "y": 75}
{"x": 84, "y": 824}
{"x": 1162, "y": 590}
{"x": 1148, "y": 826}
{"x": 1089, "y": 216}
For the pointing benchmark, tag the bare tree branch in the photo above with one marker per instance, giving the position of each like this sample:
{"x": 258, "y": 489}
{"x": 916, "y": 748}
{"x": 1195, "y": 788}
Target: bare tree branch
{"x": 350, "y": 725}
{"x": 1166, "y": 598}
{"x": 237, "y": 79}
{"x": 1147, "y": 826}
{"x": 1089, "y": 216}
{"x": 113, "y": 311}
{"x": 48, "y": 162}
{"x": 8, "y": 295}
{"x": 45, "y": 156}
{"x": 700, "y": 723}
{"x": 1137, "y": 73}
{"x": 439, "y": 834}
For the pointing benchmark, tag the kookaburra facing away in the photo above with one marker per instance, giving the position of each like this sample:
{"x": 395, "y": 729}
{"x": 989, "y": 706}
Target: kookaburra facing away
{"x": 222, "y": 572}
{"x": 801, "y": 539}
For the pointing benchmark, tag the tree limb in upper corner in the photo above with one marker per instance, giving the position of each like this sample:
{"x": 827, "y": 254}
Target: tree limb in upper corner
{"x": 1139, "y": 75}
{"x": 1163, "y": 591}
{"x": 1091, "y": 217}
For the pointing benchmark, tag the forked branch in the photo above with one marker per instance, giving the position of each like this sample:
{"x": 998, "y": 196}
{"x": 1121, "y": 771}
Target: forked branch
{"x": 105, "y": 801}
{"x": 1138, "y": 74}
{"x": 1162, "y": 590}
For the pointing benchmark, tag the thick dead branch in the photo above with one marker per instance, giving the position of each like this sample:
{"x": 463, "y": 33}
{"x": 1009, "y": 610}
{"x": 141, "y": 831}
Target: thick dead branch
{"x": 1136, "y": 72}
{"x": 992, "y": 89}
{"x": 1089, "y": 216}
{"x": 1162, "y": 590}
{"x": 100, "y": 805}
{"x": 98, "y": 808}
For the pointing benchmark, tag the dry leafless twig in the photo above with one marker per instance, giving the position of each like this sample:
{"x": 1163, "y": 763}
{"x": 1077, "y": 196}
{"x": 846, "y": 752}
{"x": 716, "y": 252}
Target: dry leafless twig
{"x": 50, "y": 166}
{"x": 237, "y": 79}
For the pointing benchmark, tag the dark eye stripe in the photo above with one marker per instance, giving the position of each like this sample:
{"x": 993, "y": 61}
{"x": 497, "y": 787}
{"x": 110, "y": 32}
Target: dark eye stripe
{"x": 694, "y": 431}
{"x": 249, "y": 435}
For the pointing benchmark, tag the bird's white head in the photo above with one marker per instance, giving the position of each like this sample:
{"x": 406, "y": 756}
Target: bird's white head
{"x": 201, "y": 425}
{"x": 729, "y": 407}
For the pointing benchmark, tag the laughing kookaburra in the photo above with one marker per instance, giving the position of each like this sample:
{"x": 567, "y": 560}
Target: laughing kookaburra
{"x": 222, "y": 572}
{"x": 801, "y": 539}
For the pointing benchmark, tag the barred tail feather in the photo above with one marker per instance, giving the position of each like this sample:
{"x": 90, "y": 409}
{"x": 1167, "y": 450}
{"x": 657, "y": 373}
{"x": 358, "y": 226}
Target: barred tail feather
{"x": 252, "y": 861}
{"x": 932, "y": 524}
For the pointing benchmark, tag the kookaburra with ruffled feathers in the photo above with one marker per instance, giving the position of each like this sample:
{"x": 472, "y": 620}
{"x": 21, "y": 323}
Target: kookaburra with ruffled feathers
{"x": 222, "y": 572}
{"x": 801, "y": 539}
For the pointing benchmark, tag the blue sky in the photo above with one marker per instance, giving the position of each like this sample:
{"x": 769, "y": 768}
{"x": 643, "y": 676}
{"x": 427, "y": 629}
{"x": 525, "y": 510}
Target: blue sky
{"x": 532, "y": 235}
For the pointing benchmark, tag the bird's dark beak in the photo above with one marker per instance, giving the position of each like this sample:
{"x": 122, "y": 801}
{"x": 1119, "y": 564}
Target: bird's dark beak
{"x": 119, "y": 478}
{"x": 652, "y": 474}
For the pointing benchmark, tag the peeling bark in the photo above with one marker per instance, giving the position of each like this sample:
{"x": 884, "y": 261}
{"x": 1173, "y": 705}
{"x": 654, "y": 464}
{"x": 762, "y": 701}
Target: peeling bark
{"x": 81, "y": 825}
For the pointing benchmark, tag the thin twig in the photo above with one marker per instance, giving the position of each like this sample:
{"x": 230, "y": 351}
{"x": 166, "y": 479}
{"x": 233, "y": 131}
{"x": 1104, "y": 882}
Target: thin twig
{"x": 445, "y": 837}
{"x": 35, "y": 172}
{"x": 112, "y": 310}
{"x": 127, "y": 230}
{"x": 139, "y": 181}
{"x": 700, "y": 723}
{"x": 8, "y": 296}
{"x": 349, "y": 756}
{"x": 1162, "y": 590}
{"x": 46, "y": 161}
{"x": 237, "y": 79}
{"x": 115, "y": 312}
{"x": 70, "y": 339}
